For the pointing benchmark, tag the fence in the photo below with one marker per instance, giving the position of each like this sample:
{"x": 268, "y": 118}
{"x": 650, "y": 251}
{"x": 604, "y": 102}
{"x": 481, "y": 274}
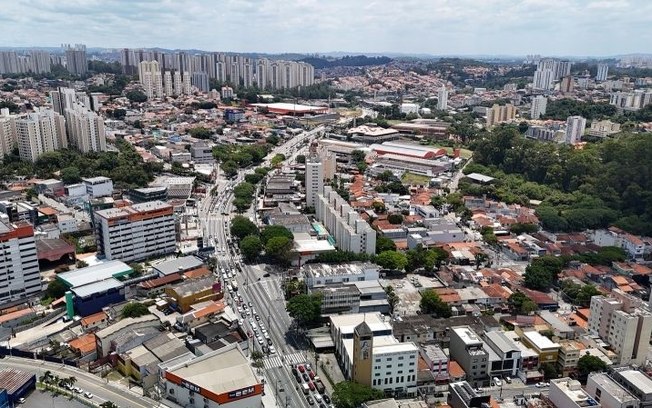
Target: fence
{"x": 5, "y": 351}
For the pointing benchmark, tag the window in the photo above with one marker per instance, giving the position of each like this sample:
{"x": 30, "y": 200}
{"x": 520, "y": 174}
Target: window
{"x": 171, "y": 391}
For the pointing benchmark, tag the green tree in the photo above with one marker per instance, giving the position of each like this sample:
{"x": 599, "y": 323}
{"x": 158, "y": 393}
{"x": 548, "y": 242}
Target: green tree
{"x": 384, "y": 244}
{"x": 392, "y": 260}
{"x": 108, "y": 404}
{"x": 242, "y": 227}
{"x": 136, "y": 96}
{"x": 200, "y": 132}
{"x": 279, "y": 249}
{"x": 521, "y": 304}
{"x": 272, "y": 231}
{"x": 253, "y": 178}
{"x": 392, "y": 298}
{"x": 549, "y": 371}
{"x": 135, "y": 309}
{"x": 277, "y": 159}
{"x": 519, "y": 228}
{"x": 588, "y": 364}
{"x": 395, "y": 219}
{"x": 250, "y": 247}
{"x": 305, "y": 309}
{"x": 542, "y": 272}
{"x": 301, "y": 159}
{"x": 55, "y": 289}
{"x": 70, "y": 175}
{"x": 431, "y": 303}
{"x": 349, "y": 394}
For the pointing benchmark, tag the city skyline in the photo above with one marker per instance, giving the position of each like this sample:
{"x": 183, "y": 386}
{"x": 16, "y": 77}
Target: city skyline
{"x": 463, "y": 27}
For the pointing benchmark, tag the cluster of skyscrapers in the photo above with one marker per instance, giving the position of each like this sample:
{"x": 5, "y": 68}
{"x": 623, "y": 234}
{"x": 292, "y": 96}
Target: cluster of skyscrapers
{"x": 157, "y": 84}
{"x": 548, "y": 71}
{"x": 238, "y": 70}
{"x": 40, "y": 62}
{"x": 70, "y": 122}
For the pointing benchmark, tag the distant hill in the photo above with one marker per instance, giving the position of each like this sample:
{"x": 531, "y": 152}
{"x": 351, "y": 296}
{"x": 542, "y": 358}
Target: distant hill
{"x": 347, "y": 61}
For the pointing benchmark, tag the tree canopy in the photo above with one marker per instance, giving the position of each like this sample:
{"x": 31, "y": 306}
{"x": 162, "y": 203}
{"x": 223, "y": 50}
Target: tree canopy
{"x": 349, "y": 394}
{"x": 588, "y": 364}
{"x": 250, "y": 247}
{"x": 242, "y": 227}
{"x": 136, "y": 96}
{"x": 304, "y": 308}
{"x": 431, "y": 303}
{"x": 542, "y": 272}
{"x": 134, "y": 309}
{"x": 521, "y": 304}
{"x": 200, "y": 132}
{"x": 392, "y": 260}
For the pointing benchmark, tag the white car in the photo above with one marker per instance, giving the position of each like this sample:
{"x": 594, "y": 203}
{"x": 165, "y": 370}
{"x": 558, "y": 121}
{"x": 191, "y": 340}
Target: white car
{"x": 88, "y": 395}
{"x": 272, "y": 350}
{"x": 498, "y": 382}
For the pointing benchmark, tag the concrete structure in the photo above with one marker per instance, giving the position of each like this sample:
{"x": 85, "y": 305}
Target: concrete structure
{"x": 223, "y": 378}
{"x": 202, "y": 153}
{"x": 467, "y": 349}
{"x": 347, "y": 228}
{"x": 500, "y": 114}
{"x": 547, "y": 350}
{"x": 442, "y": 98}
{"x": 109, "y": 338}
{"x": 575, "y": 126}
{"x": 568, "y": 393}
{"x": 135, "y": 233}
{"x": 636, "y": 382}
{"x": 19, "y": 269}
{"x": 625, "y": 323}
{"x": 317, "y": 274}
{"x": 7, "y": 132}
{"x": 150, "y": 77}
{"x": 504, "y": 354}
{"x": 99, "y": 186}
{"x": 543, "y": 79}
{"x": 631, "y": 101}
{"x": 39, "y": 132}
{"x": 603, "y": 72}
{"x": 603, "y": 128}
{"x": 569, "y": 355}
{"x": 356, "y": 297}
{"x": 85, "y": 129}
{"x": 76, "y": 62}
{"x": 462, "y": 395}
{"x": 200, "y": 81}
{"x": 608, "y": 393}
{"x": 62, "y": 99}
{"x": 372, "y": 134}
{"x": 539, "y": 104}
{"x": 194, "y": 291}
{"x": 314, "y": 178}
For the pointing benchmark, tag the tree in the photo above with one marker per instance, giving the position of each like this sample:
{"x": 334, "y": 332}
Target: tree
{"x": 55, "y": 289}
{"x": 279, "y": 249}
{"x": 81, "y": 264}
{"x": 349, "y": 394}
{"x": 519, "y": 228}
{"x": 272, "y": 231}
{"x": 200, "y": 132}
{"x": 431, "y": 303}
{"x": 392, "y": 260}
{"x": 108, "y": 404}
{"x": 242, "y": 227}
{"x": 70, "y": 175}
{"x": 588, "y": 364}
{"x": 549, "y": 371}
{"x": 135, "y": 309}
{"x": 136, "y": 96}
{"x": 301, "y": 159}
{"x": 542, "y": 273}
{"x": 277, "y": 159}
{"x": 384, "y": 244}
{"x": 250, "y": 247}
{"x": 253, "y": 178}
{"x": 521, "y": 304}
{"x": 392, "y": 298}
{"x": 395, "y": 219}
{"x": 305, "y": 309}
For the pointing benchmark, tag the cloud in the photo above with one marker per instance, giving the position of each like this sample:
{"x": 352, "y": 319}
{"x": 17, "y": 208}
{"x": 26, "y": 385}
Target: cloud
{"x": 552, "y": 27}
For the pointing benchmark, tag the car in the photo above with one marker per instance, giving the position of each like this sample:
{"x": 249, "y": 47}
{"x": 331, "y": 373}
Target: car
{"x": 317, "y": 397}
{"x": 301, "y": 368}
{"x": 305, "y": 377}
{"x": 269, "y": 341}
{"x": 77, "y": 390}
{"x": 298, "y": 379}
{"x": 308, "y": 367}
{"x": 508, "y": 380}
{"x": 240, "y": 322}
{"x": 294, "y": 371}
{"x": 539, "y": 385}
{"x": 326, "y": 398}
{"x": 310, "y": 400}
{"x": 497, "y": 382}
{"x": 546, "y": 384}
{"x": 21, "y": 400}
{"x": 250, "y": 304}
{"x": 88, "y": 395}
{"x": 272, "y": 350}
{"x": 311, "y": 374}
{"x": 322, "y": 405}
{"x": 257, "y": 317}
{"x": 311, "y": 386}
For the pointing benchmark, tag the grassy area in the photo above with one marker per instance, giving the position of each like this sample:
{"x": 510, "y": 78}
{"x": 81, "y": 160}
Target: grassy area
{"x": 411, "y": 178}
{"x": 464, "y": 153}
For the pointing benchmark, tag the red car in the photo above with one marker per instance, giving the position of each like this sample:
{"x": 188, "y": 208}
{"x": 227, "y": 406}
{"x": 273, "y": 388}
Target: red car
{"x": 311, "y": 374}
{"x": 301, "y": 368}
{"x": 311, "y": 386}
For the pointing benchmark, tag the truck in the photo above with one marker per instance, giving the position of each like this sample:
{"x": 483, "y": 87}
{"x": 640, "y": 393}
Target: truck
{"x": 319, "y": 385}
{"x": 305, "y": 389}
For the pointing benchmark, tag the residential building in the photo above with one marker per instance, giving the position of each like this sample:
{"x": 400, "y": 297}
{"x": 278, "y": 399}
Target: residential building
{"x": 39, "y": 61}
{"x": 608, "y": 393}
{"x": 636, "y": 382}
{"x": 462, "y": 395}
{"x": 567, "y": 84}
{"x": 40, "y": 132}
{"x": 314, "y": 178}
{"x": 631, "y": 101}
{"x": 135, "y": 233}
{"x": 168, "y": 85}
{"x": 185, "y": 84}
{"x": 200, "y": 81}
{"x": 85, "y": 129}
{"x": 500, "y": 114}
{"x": 19, "y": 269}
{"x": 603, "y": 72}
{"x": 99, "y": 186}
{"x": 547, "y": 350}
{"x": 350, "y": 232}
{"x": 603, "y": 128}
{"x": 568, "y": 393}
{"x": 544, "y": 133}
{"x": 111, "y": 338}
{"x": 538, "y": 109}
{"x": 7, "y": 132}
{"x": 442, "y": 98}
{"x": 62, "y": 99}
{"x": 543, "y": 79}
{"x": 575, "y": 126}
{"x": 223, "y": 378}
{"x": 569, "y": 355}
{"x": 150, "y": 77}
{"x": 9, "y": 62}
{"x": 76, "y": 62}
{"x": 227, "y": 92}
{"x": 625, "y": 323}
{"x": 202, "y": 153}
{"x": 467, "y": 348}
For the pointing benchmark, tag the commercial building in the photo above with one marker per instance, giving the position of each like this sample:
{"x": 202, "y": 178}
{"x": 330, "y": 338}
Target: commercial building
{"x": 504, "y": 354}
{"x": 76, "y": 62}
{"x": 202, "y": 153}
{"x": 568, "y": 393}
{"x": 223, "y": 378}
{"x": 317, "y": 274}
{"x": 608, "y": 393}
{"x": 350, "y": 232}
{"x": 500, "y": 114}
{"x": 575, "y": 126}
{"x": 372, "y": 134}
{"x": 467, "y": 348}
{"x": 462, "y": 395}
{"x": 355, "y": 297}
{"x": 539, "y": 104}
{"x": 603, "y": 128}
{"x": 17, "y": 384}
{"x": 135, "y": 329}
{"x": 19, "y": 269}
{"x": 625, "y": 323}
{"x": 547, "y": 350}
{"x": 427, "y": 128}
{"x": 145, "y": 194}
{"x": 410, "y": 150}
{"x": 135, "y": 233}
{"x": 603, "y": 72}
{"x": 40, "y": 132}
{"x": 194, "y": 291}
{"x": 636, "y": 382}
{"x": 569, "y": 355}
{"x": 99, "y": 186}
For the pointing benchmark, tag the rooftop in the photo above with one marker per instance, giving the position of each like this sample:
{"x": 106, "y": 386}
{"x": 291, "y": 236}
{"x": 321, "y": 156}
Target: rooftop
{"x": 346, "y": 323}
{"x": 95, "y": 273}
{"x": 125, "y": 323}
{"x": 573, "y": 390}
{"x": 637, "y": 379}
{"x": 539, "y": 341}
{"x": 12, "y": 380}
{"x": 612, "y": 387}
{"x": 468, "y": 336}
{"x": 178, "y": 265}
{"x": 319, "y": 270}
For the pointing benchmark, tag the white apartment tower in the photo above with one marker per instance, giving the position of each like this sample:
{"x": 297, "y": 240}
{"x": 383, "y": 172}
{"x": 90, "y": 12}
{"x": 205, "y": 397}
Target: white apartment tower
{"x": 167, "y": 83}
{"x": 314, "y": 178}
{"x": 150, "y": 77}
{"x": 543, "y": 79}
{"x": 575, "y": 126}
{"x": 20, "y": 276}
{"x": 86, "y": 129}
{"x": 7, "y": 132}
{"x": 539, "y": 104}
{"x": 39, "y": 61}
{"x": 178, "y": 86}
{"x": 40, "y": 132}
{"x": 500, "y": 114}
{"x": 185, "y": 84}
{"x": 603, "y": 72}
{"x": 135, "y": 233}
{"x": 625, "y": 323}
{"x": 442, "y": 98}
{"x": 62, "y": 99}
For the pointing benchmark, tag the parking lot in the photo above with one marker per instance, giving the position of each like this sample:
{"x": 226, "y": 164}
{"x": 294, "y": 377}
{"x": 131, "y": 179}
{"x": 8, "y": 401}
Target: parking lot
{"x": 40, "y": 399}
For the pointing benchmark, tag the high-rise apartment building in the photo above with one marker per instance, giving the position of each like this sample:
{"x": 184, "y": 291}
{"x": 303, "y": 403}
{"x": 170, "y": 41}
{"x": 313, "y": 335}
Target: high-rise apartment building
{"x": 19, "y": 270}
{"x": 150, "y": 77}
{"x": 562, "y": 69}
{"x": 168, "y": 84}
{"x": 39, "y": 61}
{"x": 500, "y": 114}
{"x": 575, "y": 126}
{"x": 7, "y": 132}
{"x": 567, "y": 84}
{"x": 200, "y": 81}
{"x": 135, "y": 233}
{"x": 39, "y": 132}
{"x": 314, "y": 178}
{"x": 625, "y": 323}
{"x": 9, "y": 62}
{"x": 350, "y": 231}
{"x": 185, "y": 84}
{"x": 539, "y": 104}
{"x": 85, "y": 129}
{"x": 631, "y": 101}
{"x": 603, "y": 72}
{"x": 62, "y": 99}
{"x": 442, "y": 98}
{"x": 178, "y": 84}
{"x": 543, "y": 79}
{"x": 76, "y": 62}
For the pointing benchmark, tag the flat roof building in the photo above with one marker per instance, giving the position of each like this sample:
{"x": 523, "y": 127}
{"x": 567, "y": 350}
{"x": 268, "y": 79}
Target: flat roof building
{"x": 568, "y": 393}
{"x": 329, "y": 274}
{"x": 608, "y": 393}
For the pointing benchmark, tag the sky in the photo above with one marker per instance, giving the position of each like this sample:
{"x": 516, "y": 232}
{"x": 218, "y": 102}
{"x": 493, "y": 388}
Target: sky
{"x": 438, "y": 27}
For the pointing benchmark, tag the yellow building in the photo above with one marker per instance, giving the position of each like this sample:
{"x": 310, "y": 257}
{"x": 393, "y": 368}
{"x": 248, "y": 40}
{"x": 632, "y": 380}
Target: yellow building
{"x": 547, "y": 350}
{"x": 569, "y": 355}
{"x": 195, "y": 291}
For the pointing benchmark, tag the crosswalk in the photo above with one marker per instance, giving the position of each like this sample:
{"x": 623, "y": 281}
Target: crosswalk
{"x": 273, "y": 288}
{"x": 276, "y": 360}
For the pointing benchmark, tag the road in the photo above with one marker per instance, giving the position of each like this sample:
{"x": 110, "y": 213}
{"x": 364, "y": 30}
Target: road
{"x": 264, "y": 293}
{"x": 86, "y": 381}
